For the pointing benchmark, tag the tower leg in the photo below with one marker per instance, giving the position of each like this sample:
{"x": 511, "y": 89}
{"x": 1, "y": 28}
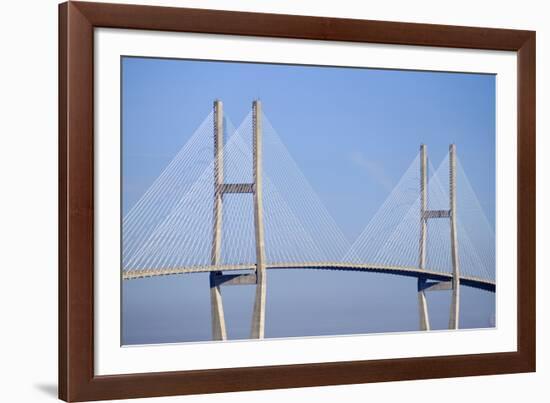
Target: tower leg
{"x": 422, "y": 301}
{"x": 216, "y": 304}
{"x": 455, "y": 302}
{"x": 218, "y": 318}
{"x": 423, "y": 307}
{"x": 455, "y": 307}
{"x": 258, "y": 317}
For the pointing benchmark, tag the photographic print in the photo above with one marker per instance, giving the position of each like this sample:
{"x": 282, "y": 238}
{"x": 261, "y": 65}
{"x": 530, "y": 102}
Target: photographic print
{"x": 290, "y": 201}
{"x": 272, "y": 200}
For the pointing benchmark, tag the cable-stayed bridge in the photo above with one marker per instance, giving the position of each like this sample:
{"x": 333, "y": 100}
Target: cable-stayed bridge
{"x": 234, "y": 203}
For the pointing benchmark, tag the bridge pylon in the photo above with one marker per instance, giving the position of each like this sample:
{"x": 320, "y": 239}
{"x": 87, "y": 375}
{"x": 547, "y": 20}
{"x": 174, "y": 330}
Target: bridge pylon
{"x": 425, "y": 214}
{"x": 258, "y": 278}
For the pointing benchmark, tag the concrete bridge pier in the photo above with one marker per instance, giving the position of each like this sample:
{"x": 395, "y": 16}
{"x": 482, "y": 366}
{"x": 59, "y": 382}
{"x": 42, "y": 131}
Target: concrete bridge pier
{"x": 422, "y": 301}
{"x": 217, "y": 315}
{"x": 218, "y": 278}
{"x": 425, "y": 214}
{"x": 455, "y": 302}
{"x": 258, "y": 316}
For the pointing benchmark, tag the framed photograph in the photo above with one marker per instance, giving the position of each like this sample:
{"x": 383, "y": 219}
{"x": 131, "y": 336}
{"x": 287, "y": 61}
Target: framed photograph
{"x": 255, "y": 201}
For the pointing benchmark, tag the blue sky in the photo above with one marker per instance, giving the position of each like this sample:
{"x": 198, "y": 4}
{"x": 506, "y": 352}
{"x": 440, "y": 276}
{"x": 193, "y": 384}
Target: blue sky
{"x": 353, "y": 133}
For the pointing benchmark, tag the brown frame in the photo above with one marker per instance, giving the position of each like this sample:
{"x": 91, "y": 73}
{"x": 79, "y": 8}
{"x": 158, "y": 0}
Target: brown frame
{"x": 77, "y": 21}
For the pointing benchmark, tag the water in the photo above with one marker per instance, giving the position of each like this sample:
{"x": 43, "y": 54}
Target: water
{"x": 170, "y": 309}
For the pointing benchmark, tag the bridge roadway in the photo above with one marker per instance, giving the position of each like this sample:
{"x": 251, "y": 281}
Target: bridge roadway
{"x": 474, "y": 282}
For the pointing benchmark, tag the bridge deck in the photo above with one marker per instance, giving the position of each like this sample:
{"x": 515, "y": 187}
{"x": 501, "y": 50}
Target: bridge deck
{"x": 469, "y": 281}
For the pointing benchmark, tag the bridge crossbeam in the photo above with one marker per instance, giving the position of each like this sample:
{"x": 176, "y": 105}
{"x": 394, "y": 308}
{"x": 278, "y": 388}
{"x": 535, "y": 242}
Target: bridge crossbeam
{"x": 435, "y": 286}
{"x": 237, "y": 188}
{"x": 235, "y": 279}
{"x": 436, "y": 214}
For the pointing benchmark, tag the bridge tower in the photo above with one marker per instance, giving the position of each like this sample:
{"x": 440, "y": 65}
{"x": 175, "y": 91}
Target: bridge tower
{"x": 425, "y": 214}
{"x": 258, "y": 278}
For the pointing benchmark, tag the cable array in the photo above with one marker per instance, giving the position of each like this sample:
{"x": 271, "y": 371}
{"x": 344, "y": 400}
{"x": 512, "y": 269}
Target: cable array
{"x": 171, "y": 225}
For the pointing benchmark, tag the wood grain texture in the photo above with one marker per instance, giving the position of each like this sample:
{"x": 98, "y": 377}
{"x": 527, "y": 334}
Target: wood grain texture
{"x": 527, "y": 201}
{"x": 299, "y": 27}
{"x": 76, "y": 207}
{"x": 63, "y": 320}
{"x": 76, "y": 214}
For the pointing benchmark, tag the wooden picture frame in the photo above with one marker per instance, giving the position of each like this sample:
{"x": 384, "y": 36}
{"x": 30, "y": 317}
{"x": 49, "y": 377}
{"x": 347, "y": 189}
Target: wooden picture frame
{"x": 77, "y": 381}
